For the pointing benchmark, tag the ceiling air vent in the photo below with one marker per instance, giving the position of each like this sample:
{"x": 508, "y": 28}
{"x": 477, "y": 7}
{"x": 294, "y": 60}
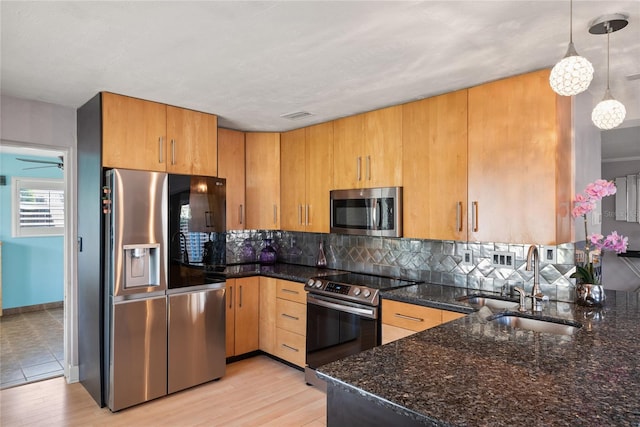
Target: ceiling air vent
{"x": 296, "y": 115}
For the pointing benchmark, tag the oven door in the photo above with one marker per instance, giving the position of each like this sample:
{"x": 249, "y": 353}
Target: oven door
{"x": 337, "y": 329}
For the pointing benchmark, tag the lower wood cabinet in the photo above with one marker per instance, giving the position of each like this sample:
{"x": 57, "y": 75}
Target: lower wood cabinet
{"x": 401, "y": 319}
{"x": 242, "y": 315}
{"x": 291, "y": 322}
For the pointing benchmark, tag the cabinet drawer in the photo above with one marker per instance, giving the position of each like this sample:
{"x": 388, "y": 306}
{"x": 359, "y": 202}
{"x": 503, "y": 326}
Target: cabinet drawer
{"x": 292, "y": 291}
{"x": 410, "y": 316}
{"x": 290, "y": 347}
{"x": 291, "y": 316}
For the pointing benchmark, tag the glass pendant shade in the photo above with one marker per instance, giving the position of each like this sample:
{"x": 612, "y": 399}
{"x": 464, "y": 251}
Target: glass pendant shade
{"x": 572, "y": 75}
{"x": 609, "y": 113}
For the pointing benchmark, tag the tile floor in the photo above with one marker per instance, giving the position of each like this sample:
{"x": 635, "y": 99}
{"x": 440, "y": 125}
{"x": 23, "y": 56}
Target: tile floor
{"x": 31, "y": 347}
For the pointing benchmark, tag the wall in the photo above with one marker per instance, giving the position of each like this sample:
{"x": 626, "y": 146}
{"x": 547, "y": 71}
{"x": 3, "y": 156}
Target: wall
{"x": 32, "y": 267}
{"x": 433, "y": 261}
{"x": 51, "y": 126}
{"x": 615, "y": 273}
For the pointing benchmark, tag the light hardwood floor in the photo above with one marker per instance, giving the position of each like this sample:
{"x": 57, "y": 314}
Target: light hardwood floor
{"x": 254, "y": 392}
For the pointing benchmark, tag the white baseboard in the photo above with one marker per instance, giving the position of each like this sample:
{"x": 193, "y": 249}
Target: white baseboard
{"x": 72, "y": 374}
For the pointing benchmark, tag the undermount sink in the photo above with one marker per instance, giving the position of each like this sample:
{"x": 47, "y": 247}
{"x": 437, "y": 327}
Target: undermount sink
{"x": 491, "y": 302}
{"x": 564, "y": 327}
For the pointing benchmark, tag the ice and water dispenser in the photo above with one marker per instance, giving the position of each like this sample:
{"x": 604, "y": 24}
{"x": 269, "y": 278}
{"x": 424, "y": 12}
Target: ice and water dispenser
{"x": 142, "y": 265}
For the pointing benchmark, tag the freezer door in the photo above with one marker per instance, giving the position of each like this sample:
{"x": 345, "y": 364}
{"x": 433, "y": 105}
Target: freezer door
{"x": 138, "y": 363}
{"x": 196, "y": 338}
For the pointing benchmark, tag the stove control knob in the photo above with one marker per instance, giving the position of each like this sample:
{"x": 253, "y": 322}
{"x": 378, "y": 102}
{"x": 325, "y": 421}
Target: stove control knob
{"x": 366, "y": 293}
{"x": 310, "y": 283}
{"x": 356, "y": 291}
{"x": 318, "y": 284}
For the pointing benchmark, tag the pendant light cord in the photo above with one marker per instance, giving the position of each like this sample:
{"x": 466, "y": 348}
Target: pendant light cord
{"x": 570, "y": 21}
{"x": 608, "y": 34}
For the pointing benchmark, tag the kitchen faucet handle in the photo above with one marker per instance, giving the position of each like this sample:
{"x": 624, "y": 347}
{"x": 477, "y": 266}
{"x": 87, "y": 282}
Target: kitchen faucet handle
{"x": 523, "y": 295}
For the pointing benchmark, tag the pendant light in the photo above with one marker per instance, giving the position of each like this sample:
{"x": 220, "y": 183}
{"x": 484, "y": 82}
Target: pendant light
{"x": 573, "y": 74}
{"x": 609, "y": 112}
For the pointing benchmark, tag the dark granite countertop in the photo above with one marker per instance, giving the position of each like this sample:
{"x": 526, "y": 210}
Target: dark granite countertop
{"x": 292, "y": 272}
{"x": 475, "y": 372}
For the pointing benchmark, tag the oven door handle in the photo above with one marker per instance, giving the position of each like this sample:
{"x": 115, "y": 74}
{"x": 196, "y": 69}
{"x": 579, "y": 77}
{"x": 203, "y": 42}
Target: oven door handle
{"x": 367, "y": 312}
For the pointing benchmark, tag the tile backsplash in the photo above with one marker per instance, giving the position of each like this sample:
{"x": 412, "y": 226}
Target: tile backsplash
{"x": 434, "y": 261}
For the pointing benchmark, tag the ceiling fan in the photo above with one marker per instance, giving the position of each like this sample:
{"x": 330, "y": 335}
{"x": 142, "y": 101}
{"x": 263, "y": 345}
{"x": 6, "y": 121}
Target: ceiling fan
{"x": 50, "y": 163}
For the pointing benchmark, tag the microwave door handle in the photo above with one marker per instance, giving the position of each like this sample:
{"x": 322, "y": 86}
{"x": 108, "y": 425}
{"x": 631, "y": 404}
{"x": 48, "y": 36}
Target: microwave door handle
{"x": 374, "y": 214}
{"x": 377, "y": 214}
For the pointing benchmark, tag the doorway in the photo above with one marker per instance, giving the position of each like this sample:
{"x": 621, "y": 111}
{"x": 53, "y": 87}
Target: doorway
{"x": 36, "y": 326}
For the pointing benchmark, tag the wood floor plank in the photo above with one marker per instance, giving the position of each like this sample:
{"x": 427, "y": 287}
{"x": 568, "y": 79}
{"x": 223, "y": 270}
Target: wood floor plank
{"x": 254, "y": 392}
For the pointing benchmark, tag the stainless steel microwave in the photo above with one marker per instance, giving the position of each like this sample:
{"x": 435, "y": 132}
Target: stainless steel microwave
{"x": 367, "y": 211}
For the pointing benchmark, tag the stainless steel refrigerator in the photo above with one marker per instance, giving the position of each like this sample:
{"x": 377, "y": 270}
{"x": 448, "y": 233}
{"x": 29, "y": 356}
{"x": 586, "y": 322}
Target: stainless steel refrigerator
{"x": 165, "y": 297}
{"x": 136, "y": 228}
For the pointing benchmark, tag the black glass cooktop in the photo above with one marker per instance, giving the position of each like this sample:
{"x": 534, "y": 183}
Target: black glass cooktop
{"x": 369, "y": 280}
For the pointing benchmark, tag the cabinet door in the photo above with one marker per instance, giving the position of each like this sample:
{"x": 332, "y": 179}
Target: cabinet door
{"x": 382, "y": 153}
{"x": 319, "y": 169}
{"x": 347, "y": 157}
{"x": 268, "y": 314}
{"x": 231, "y": 167}
{"x": 133, "y": 133}
{"x": 293, "y": 171}
{"x": 263, "y": 180}
{"x": 230, "y": 319}
{"x": 435, "y": 167}
{"x": 192, "y": 147}
{"x": 247, "y": 315}
{"x": 513, "y": 171}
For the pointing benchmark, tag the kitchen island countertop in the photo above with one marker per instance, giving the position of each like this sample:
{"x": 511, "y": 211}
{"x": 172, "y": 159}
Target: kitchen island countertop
{"x": 472, "y": 371}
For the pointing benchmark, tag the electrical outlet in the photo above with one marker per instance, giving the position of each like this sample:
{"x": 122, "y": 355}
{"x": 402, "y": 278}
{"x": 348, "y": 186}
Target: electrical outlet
{"x": 467, "y": 257}
{"x": 503, "y": 259}
{"x": 548, "y": 254}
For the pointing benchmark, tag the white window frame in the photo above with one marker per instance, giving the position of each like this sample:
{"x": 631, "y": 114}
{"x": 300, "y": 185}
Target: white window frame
{"x": 19, "y": 183}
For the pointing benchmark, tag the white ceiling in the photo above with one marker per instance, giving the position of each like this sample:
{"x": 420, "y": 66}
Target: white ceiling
{"x": 251, "y": 62}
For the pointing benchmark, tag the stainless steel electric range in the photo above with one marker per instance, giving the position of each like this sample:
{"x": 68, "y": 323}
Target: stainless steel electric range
{"x": 342, "y": 317}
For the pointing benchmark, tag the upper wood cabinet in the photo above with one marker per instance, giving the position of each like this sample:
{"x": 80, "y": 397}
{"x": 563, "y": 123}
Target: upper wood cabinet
{"x": 231, "y": 154}
{"x": 262, "y": 180}
{"x": 145, "y": 135}
{"x": 192, "y": 142}
{"x": 434, "y": 167}
{"x": 133, "y": 133}
{"x": 368, "y": 149}
{"x": 306, "y": 178}
{"x": 519, "y": 162}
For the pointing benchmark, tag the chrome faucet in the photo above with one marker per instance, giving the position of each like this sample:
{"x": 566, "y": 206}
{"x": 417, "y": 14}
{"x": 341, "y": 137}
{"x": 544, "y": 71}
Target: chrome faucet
{"x": 533, "y": 262}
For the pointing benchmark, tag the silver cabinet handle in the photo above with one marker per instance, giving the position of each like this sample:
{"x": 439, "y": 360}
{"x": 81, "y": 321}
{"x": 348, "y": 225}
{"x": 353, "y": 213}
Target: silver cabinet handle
{"x": 368, "y": 168}
{"x": 289, "y": 291}
{"x": 474, "y": 216}
{"x": 306, "y": 214}
{"x": 404, "y": 316}
{"x": 275, "y": 214}
{"x": 288, "y": 316}
{"x": 240, "y": 301}
{"x": 459, "y": 215}
{"x": 359, "y": 162}
{"x": 161, "y": 150}
{"x": 231, "y": 297}
{"x": 173, "y": 151}
{"x": 241, "y": 213}
{"x": 290, "y": 348}
{"x": 300, "y": 214}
